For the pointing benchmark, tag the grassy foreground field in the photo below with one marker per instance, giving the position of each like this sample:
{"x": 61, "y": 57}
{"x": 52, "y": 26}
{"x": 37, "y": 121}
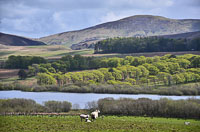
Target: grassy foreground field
{"x": 108, "y": 123}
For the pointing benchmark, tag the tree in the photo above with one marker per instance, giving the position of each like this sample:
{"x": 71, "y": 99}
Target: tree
{"x": 178, "y": 78}
{"x": 130, "y": 80}
{"x": 173, "y": 67}
{"x": 22, "y": 74}
{"x": 144, "y": 71}
{"x": 45, "y": 79}
{"x": 195, "y": 61}
{"x": 31, "y": 71}
{"x": 161, "y": 66}
{"x": 76, "y": 106}
{"x": 153, "y": 79}
{"x": 22, "y": 62}
{"x": 184, "y": 63}
{"x": 114, "y": 62}
{"x": 107, "y": 75}
{"x": 166, "y": 78}
{"x": 151, "y": 68}
{"x": 59, "y": 78}
{"x": 117, "y": 74}
{"x": 58, "y": 106}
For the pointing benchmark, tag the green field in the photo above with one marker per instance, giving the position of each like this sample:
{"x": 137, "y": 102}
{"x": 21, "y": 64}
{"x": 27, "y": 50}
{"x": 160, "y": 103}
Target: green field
{"x": 57, "y": 51}
{"x": 108, "y": 123}
{"x": 48, "y": 51}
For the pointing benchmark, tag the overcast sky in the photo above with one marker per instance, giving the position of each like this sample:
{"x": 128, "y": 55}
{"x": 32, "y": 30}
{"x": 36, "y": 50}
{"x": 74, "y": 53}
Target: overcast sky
{"x": 39, "y": 18}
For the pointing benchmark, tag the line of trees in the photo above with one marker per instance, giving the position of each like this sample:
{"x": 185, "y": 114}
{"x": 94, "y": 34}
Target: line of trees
{"x": 30, "y": 106}
{"x": 148, "y": 44}
{"x": 184, "y": 89}
{"x": 22, "y": 62}
{"x": 130, "y": 71}
{"x": 146, "y": 107}
{"x": 65, "y": 64}
{"x": 189, "y": 108}
{"x": 167, "y": 70}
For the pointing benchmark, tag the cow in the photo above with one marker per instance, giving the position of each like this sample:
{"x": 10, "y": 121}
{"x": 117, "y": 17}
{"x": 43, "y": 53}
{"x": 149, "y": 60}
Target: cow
{"x": 95, "y": 114}
{"x": 83, "y": 116}
{"x": 187, "y": 123}
{"x": 87, "y": 120}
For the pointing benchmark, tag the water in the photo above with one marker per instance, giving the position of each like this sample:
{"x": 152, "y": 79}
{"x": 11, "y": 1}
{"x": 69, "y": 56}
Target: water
{"x": 79, "y": 98}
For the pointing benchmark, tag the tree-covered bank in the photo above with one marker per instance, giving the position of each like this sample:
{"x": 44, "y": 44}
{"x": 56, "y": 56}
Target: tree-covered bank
{"x": 151, "y": 71}
{"x": 182, "y": 89}
{"x": 189, "y": 108}
{"x": 27, "y": 106}
{"x": 146, "y": 107}
{"x": 167, "y": 75}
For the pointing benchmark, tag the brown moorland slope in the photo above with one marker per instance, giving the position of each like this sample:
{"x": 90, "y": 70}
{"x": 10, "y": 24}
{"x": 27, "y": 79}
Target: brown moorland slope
{"x": 134, "y": 26}
{"x": 12, "y": 40}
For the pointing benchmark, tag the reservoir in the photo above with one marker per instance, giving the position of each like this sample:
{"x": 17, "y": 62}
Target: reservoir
{"x": 79, "y": 98}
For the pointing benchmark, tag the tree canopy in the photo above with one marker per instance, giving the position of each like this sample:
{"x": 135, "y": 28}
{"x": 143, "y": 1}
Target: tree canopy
{"x": 148, "y": 44}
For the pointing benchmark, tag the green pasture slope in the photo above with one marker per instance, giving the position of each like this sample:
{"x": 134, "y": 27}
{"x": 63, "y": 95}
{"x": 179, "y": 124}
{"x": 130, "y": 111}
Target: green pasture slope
{"x": 106, "y": 124}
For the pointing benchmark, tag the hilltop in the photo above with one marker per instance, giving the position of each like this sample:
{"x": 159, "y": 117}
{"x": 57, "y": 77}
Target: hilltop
{"x": 13, "y": 40}
{"x": 134, "y": 26}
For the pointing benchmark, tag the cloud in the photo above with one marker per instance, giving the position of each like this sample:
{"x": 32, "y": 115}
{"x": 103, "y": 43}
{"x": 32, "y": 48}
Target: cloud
{"x": 38, "y": 18}
{"x": 58, "y": 19}
{"x": 110, "y": 16}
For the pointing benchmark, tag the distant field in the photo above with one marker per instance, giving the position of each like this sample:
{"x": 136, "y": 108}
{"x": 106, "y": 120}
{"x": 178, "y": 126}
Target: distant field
{"x": 9, "y": 76}
{"x": 57, "y": 51}
{"x": 108, "y": 124}
{"x": 53, "y": 51}
{"x": 7, "y": 73}
{"x": 147, "y": 54}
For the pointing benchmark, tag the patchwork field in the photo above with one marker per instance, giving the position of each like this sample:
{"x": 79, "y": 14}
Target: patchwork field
{"x": 54, "y": 51}
{"x": 57, "y": 51}
{"x": 7, "y": 73}
{"x": 108, "y": 123}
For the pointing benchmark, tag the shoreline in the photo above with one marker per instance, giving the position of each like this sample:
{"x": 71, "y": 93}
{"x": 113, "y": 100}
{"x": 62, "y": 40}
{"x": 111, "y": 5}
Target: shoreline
{"x": 102, "y": 93}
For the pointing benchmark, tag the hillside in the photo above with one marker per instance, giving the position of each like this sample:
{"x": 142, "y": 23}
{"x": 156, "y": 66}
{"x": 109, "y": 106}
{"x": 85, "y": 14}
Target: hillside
{"x": 12, "y": 40}
{"x": 189, "y": 35}
{"x": 134, "y": 26}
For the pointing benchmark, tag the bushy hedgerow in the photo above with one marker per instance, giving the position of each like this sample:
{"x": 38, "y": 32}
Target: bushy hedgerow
{"x": 146, "y": 107}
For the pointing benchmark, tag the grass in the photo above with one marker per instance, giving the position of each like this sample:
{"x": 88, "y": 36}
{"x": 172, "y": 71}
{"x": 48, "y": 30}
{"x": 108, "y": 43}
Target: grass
{"x": 108, "y": 124}
{"x": 47, "y": 51}
{"x": 57, "y": 51}
{"x": 148, "y": 54}
{"x": 8, "y": 73}
{"x": 80, "y": 52}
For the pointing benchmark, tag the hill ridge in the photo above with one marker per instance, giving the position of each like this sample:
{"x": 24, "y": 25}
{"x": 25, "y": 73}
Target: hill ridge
{"x": 15, "y": 40}
{"x": 133, "y": 26}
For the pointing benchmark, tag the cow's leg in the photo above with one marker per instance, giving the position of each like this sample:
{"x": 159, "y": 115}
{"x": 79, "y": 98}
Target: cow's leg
{"x": 93, "y": 117}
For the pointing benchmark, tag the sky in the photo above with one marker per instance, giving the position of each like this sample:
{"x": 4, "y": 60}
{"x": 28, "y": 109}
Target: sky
{"x": 39, "y": 18}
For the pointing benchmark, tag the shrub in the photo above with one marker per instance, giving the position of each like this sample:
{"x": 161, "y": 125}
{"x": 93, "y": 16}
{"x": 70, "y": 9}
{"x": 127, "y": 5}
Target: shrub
{"x": 58, "y": 106}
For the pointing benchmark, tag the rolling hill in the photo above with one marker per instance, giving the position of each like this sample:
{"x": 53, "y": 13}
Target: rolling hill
{"x": 188, "y": 35}
{"x": 12, "y": 40}
{"x": 134, "y": 26}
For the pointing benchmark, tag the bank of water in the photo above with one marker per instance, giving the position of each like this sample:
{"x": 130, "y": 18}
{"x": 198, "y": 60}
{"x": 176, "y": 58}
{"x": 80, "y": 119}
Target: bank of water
{"x": 79, "y": 98}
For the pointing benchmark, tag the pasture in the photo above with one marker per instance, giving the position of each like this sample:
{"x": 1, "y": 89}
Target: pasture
{"x": 48, "y": 51}
{"x": 108, "y": 124}
{"x": 7, "y": 73}
{"x": 57, "y": 51}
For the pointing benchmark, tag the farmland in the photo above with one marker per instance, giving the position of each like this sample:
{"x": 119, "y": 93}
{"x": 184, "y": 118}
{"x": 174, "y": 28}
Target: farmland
{"x": 7, "y": 73}
{"x": 108, "y": 123}
{"x": 56, "y": 51}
